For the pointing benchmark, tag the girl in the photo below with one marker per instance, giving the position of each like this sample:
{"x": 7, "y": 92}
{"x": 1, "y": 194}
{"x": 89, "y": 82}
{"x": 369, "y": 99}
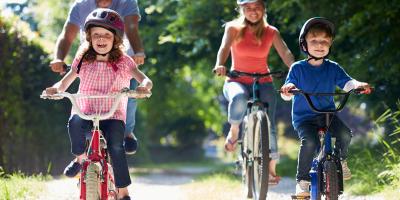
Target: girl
{"x": 102, "y": 68}
{"x": 249, "y": 39}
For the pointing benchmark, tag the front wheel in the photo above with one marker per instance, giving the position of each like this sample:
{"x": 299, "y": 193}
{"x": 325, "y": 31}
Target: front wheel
{"x": 261, "y": 156}
{"x": 92, "y": 182}
{"x": 331, "y": 188}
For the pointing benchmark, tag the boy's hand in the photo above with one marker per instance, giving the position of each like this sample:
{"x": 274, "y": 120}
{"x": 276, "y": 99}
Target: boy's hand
{"x": 57, "y": 65}
{"x": 285, "y": 91}
{"x": 367, "y": 88}
{"x": 220, "y": 70}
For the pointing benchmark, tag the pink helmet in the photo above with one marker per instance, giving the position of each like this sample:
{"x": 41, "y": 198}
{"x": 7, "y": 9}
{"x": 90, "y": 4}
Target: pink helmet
{"x": 106, "y": 18}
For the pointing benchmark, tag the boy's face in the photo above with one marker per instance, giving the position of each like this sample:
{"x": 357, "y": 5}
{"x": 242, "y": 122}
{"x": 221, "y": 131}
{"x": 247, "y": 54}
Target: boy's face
{"x": 102, "y": 39}
{"x": 318, "y": 44}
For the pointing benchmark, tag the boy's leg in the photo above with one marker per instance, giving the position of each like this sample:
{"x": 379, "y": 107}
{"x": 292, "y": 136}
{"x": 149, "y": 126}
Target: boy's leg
{"x": 343, "y": 136}
{"x": 113, "y": 131}
{"x": 307, "y": 133}
{"x": 130, "y": 141}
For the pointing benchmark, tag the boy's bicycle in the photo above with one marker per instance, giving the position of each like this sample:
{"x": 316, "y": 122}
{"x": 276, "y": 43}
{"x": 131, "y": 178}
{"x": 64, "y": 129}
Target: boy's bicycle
{"x": 254, "y": 139}
{"x": 97, "y": 177}
{"x": 326, "y": 169}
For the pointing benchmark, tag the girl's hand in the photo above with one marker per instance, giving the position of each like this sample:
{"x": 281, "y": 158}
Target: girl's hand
{"x": 220, "y": 70}
{"x": 50, "y": 91}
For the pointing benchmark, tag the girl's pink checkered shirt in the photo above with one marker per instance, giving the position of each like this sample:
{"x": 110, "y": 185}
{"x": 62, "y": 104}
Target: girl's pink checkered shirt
{"x": 99, "y": 78}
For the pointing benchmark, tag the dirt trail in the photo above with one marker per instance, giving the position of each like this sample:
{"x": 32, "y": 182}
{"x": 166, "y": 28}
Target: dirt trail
{"x": 167, "y": 185}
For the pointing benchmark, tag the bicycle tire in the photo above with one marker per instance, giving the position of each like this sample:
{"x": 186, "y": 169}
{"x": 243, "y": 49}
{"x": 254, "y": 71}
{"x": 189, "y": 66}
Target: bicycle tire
{"x": 92, "y": 182}
{"x": 261, "y": 156}
{"x": 112, "y": 190}
{"x": 247, "y": 145}
{"x": 331, "y": 186}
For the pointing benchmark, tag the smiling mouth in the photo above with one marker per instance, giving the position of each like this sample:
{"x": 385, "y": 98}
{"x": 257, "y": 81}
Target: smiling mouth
{"x": 101, "y": 45}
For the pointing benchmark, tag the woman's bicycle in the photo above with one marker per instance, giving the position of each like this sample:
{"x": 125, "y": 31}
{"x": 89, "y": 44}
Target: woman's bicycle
{"x": 326, "y": 169}
{"x": 254, "y": 139}
{"x": 97, "y": 177}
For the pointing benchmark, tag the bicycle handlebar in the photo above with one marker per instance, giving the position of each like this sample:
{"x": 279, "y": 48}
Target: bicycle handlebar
{"x": 338, "y": 108}
{"x": 117, "y": 96}
{"x": 235, "y": 74}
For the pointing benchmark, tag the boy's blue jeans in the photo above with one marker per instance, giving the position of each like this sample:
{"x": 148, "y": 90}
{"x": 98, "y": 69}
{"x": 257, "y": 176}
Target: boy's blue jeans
{"x": 238, "y": 94}
{"x": 113, "y": 131}
{"x": 131, "y": 111}
{"x": 308, "y": 134}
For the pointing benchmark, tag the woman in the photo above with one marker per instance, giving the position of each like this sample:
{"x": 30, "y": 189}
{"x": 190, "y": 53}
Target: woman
{"x": 248, "y": 39}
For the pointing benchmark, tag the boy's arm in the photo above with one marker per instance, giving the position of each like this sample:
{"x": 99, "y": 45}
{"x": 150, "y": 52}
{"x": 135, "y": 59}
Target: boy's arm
{"x": 353, "y": 84}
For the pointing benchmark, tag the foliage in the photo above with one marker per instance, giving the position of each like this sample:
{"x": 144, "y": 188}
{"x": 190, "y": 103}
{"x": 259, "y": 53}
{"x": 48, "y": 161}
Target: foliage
{"x": 19, "y": 186}
{"x": 26, "y": 126}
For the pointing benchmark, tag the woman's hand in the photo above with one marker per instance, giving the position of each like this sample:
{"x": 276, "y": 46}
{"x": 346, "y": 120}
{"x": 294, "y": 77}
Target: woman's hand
{"x": 220, "y": 70}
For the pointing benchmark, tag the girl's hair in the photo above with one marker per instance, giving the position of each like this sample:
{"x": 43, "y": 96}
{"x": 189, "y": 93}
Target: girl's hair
{"x": 259, "y": 28}
{"x": 89, "y": 54}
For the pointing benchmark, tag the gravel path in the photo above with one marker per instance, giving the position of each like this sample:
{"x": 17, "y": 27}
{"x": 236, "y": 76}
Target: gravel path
{"x": 167, "y": 185}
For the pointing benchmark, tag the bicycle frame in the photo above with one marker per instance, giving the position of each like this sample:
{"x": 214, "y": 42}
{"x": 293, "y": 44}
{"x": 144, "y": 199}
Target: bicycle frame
{"x": 97, "y": 155}
{"x": 255, "y": 146}
{"x": 325, "y": 150}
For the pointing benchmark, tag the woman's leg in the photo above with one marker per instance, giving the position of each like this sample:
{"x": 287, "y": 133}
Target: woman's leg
{"x": 268, "y": 94}
{"x": 113, "y": 131}
{"x": 237, "y": 95}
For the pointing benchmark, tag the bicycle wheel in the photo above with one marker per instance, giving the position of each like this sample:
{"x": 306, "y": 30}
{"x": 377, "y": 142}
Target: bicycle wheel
{"x": 247, "y": 142}
{"x": 331, "y": 186}
{"x": 112, "y": 190}
{"x": 92, "y": 182}
{"x": 261, "y": 156}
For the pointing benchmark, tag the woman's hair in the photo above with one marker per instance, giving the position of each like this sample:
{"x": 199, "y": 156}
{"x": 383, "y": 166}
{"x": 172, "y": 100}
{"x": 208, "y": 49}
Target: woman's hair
{"x": 259, "y": 28}
{"x": 89, "y": 54}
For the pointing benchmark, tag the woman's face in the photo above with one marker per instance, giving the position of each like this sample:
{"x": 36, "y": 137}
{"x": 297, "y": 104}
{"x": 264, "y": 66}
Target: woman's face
{"x": 102, "y": 39}
{"x": 253, "y": 12}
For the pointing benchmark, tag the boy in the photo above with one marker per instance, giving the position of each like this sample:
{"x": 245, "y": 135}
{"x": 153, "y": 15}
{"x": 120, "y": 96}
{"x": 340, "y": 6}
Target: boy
{"x": 317, "y": 74}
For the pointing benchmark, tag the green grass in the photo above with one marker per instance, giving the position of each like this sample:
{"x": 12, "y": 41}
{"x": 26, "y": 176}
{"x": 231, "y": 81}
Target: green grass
{"x": 19, "y": 186}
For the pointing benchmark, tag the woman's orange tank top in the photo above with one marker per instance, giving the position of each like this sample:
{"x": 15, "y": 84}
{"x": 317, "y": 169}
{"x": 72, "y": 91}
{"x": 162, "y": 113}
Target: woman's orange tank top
{"x": 251, "y": 56}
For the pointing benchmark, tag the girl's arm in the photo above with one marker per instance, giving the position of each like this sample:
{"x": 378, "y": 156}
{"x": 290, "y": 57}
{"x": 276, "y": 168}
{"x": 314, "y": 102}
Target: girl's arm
{"x": 63, "y": 84}
{"x": 283, "y": 50}
{"x": 225, "y": 49}
{"x": 145, "y": 83}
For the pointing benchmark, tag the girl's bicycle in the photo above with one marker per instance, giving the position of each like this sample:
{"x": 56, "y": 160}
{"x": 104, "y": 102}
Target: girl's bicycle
{"x": 254, "y": 139}
{"x": 97, "y": 177}
{"x": 326, "y": 169}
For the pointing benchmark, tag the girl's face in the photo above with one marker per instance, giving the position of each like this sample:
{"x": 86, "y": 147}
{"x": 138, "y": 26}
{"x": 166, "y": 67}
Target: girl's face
{"x": 253, "y": 12}
{"x": 102, "y": 39}
{"x": 318, "y": 44}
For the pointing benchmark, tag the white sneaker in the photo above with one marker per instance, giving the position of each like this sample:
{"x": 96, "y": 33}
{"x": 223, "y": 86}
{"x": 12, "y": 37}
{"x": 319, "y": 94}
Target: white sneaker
{"x": 303, "y": 188}
{"x": 346, "y": 171}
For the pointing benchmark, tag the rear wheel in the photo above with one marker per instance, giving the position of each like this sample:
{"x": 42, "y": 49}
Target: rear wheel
{"x": 92, "y": 182}
{"x": 261, "y": 156}
{"x": 331, "y": 181}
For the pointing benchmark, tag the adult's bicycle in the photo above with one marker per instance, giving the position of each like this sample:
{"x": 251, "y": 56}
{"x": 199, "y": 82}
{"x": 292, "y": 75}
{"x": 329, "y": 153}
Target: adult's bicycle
{"x": 326, "y": 169}
{"x": 97, "y": 177}
{"x": 254, "y": 156}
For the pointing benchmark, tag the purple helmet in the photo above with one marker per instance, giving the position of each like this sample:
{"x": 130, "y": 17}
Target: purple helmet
{"x": 241, "y": 2}
{"x": 106, "y": 18}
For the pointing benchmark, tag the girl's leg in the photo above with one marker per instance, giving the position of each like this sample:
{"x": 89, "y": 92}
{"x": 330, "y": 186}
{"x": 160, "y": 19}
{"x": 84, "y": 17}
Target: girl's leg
{"x": 113, "y": 131}
{"x": 237, "y": 95}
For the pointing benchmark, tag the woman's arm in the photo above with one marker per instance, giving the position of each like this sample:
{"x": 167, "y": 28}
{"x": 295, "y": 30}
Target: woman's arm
{"x": 145, "y": 82}
{"x": 283, "y": 50}
{"x": 225, "y": 48}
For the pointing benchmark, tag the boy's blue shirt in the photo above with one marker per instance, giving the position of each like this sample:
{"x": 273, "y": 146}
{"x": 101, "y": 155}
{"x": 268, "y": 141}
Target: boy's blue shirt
{"x": 312, "y": 79}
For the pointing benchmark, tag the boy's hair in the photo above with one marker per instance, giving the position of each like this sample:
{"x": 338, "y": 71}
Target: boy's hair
{"x": 320, "y": 28}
